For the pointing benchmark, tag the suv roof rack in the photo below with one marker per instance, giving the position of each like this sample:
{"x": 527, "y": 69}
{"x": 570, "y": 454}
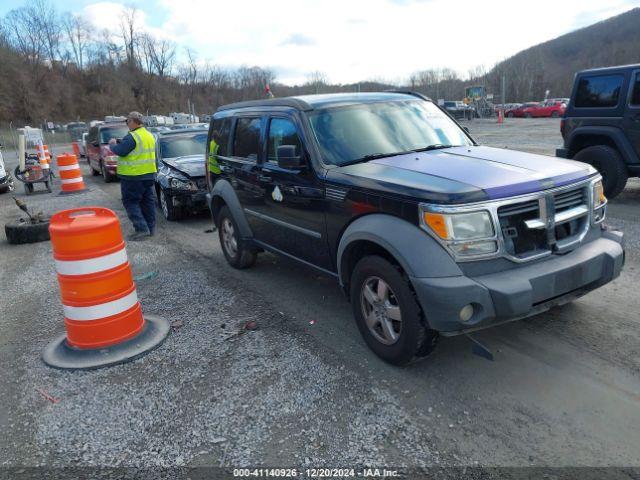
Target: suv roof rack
{"x": 269, "y": 102}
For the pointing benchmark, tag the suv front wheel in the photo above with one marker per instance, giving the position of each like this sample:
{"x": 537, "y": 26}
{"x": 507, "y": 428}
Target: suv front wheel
{"x": 609, "y": 163}
{"x": 234, "y": 251}
{"x": 387, "y": 312}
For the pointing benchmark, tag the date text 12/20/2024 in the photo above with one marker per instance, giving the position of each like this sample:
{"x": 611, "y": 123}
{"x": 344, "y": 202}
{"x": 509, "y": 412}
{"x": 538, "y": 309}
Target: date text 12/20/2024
{"x": 314, "y": 473}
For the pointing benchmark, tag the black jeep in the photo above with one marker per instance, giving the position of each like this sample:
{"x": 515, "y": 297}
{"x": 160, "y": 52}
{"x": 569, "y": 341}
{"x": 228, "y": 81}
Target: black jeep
{"x": 601, "y": 125}
{"x": 427, "y": 232}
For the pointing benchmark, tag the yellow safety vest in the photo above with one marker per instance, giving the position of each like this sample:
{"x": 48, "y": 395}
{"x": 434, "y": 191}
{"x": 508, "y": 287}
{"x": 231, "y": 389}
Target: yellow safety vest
{"x": 142, "y": 159}
{"x": 213, "y": 157}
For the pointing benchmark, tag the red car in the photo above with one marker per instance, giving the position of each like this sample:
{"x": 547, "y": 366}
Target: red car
{"x": 100, "y": 157}
{"x": 519, "y": 111}
{"x": 550, "y": 108}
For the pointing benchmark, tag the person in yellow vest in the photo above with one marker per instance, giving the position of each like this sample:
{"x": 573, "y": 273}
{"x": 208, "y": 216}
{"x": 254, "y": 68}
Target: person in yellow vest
{"x": 137, "y": 173}
{"x": 213, "y": 167}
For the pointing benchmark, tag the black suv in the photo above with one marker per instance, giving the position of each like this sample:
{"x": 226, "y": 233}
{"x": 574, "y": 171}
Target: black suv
{"x": 601, "y": 125}
{"x": 427, "y": 232}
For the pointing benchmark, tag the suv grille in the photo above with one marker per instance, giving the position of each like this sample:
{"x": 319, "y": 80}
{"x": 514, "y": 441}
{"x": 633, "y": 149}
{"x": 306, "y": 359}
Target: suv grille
{"x": 551, "y": 223}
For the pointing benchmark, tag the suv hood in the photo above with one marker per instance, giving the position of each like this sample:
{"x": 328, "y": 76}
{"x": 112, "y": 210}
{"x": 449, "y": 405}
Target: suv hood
{"x": 192, "y": 165}
{"x": 463, "y": 174}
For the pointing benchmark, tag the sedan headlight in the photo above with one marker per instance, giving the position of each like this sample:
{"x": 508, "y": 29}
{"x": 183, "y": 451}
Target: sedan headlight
{"x": 183, "y": 184}
{"x": 465, "y": 234}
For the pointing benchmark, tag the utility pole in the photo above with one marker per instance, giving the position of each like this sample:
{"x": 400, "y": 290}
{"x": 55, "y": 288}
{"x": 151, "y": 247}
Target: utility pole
{"x": 504, "y": 88}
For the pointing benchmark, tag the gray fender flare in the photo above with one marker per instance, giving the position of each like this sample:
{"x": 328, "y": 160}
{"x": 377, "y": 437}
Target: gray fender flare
{"x": 223, "y": 189}
{"x": 622, "y": 143}
{"x": 417, "y": 253}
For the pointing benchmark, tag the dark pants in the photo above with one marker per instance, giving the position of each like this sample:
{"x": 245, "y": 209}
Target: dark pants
{"x": 139, "y": 199}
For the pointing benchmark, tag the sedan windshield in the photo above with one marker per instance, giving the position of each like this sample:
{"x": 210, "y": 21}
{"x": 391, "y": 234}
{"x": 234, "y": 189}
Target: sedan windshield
{"x": 173, "y": 146}
{"x": 371, "y": 130}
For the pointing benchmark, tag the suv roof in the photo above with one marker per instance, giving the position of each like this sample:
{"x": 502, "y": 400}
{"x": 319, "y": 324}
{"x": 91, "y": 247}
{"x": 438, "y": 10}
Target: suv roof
{"x": 610, "y": 69}
{"x": 310, "y": 102}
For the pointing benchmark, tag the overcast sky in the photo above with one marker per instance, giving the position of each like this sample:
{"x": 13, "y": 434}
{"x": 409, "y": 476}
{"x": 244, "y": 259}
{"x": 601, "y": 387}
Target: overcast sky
{"x": 352, "y": 40}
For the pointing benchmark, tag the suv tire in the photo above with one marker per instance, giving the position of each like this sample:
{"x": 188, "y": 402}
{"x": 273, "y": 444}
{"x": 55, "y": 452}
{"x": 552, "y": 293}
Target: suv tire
{"x": 609, "y": 163}
{"x": 237, "y": 254}
{"x": 392, "y": 309}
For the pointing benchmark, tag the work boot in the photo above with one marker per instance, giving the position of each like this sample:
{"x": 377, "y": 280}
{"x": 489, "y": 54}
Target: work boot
{"x": 137, "y": 236}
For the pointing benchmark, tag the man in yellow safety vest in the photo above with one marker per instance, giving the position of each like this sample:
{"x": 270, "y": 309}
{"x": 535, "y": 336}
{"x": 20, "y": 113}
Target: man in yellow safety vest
{"x": 137, "y": 172}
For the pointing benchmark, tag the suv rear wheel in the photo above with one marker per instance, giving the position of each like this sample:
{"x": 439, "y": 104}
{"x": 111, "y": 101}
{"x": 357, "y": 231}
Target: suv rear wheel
{"x": 234, "y": 251}
{"x": 387, "y": 312}
{"x": 609, "y": 163}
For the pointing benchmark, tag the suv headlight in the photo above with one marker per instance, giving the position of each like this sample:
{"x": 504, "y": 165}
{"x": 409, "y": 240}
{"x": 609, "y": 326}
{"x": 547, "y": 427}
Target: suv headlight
{"x": 599, "y": 202}
{"x": 464, "y": 234}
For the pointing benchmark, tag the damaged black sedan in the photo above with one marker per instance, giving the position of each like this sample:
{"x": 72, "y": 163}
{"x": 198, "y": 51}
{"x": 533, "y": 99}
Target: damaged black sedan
{"x": 180, "y": 183}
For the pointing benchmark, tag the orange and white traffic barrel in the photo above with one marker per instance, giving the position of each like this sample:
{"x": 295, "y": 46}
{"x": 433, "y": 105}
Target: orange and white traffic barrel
{"x": 70, "y": 174}
{"x": 102, "y": 314}
{"x": 76, "y": 149}
{"x": 47, "y": 154}
{"x": 42, "y": 158}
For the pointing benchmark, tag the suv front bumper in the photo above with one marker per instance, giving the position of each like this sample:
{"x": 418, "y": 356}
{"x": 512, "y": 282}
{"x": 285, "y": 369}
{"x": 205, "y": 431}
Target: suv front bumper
{"x": 522, "y": 292}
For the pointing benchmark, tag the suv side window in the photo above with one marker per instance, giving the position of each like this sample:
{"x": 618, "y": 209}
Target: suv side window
{"x": 282, "y": 132}
{"x": 602, "y": 91}
{"x": 246, "y": 143}
{"x": 635, "y": 96}
{"x": 93, "y": 135}
{"x": 220, "y": 132}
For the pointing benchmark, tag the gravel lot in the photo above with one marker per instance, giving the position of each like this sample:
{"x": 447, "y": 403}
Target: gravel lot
{"x": 564, "y": 390}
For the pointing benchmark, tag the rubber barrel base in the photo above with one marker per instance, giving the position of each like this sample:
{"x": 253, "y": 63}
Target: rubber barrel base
{"x": 59, "y": 354}
{"x": 75, "y": 192}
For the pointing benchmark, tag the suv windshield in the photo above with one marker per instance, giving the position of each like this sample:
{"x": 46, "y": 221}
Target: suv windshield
{"x": 173, "y": 146}
{"x": 108, "y": 133}
{"x": 346, "y": 134}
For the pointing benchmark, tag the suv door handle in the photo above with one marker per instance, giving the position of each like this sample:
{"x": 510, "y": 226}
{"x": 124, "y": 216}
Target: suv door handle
{"x": 264, "y": 178}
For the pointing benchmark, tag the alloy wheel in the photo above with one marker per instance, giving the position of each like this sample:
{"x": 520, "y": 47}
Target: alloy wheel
{"x": 229, "y": 237}
{"x": 381, "y": 310}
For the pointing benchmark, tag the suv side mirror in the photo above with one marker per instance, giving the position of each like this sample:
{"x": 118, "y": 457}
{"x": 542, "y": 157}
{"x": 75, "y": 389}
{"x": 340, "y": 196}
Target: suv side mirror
{"x": 287, "y": 157}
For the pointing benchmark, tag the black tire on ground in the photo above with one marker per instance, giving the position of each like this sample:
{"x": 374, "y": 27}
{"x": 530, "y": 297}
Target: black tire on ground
{"x": 415, "y": 339}
{"x": 108, "y": 177}
{"x": 28, "y": 188}
{"x": 169, "y": 210}
{"x": 610, "y": 164}
{"x": 236, "y": 253}
{"x": 24, "y": 232}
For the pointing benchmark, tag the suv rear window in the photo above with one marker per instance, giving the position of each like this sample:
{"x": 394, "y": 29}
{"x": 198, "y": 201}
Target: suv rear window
{"x": 635, "y": 96}
{"x": 117, "y": 132}
{"x": 247, "y": 139}
{"x": 599, "y": 92}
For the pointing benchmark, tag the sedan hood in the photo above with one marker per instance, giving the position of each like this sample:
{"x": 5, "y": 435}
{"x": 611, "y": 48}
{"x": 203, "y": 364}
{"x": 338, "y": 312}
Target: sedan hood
{"x": 192, "y": 165}
{"x": 463, "y": 174}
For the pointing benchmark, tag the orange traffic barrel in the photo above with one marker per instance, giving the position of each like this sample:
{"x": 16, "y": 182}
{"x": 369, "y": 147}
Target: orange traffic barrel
{"x": 42, "y": 158}
{"x": 102, "y": 314}
{"x": 76, "y": 149}
{"x": 47, "y": 154}
{"x": 70, "y": 174}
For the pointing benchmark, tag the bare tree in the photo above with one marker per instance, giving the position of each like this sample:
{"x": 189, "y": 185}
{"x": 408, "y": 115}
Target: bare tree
{"x": 77, "y": 31}
{"x": 130, "y": 37}
{"x": 317, "y": 81}
{"x": 159, "y": 55}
